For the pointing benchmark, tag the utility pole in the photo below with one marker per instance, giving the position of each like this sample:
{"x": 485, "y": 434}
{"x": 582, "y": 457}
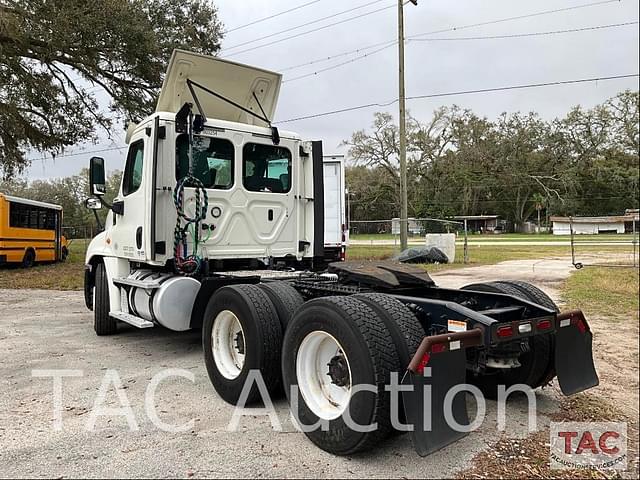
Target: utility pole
{"x": 403, "y": 128}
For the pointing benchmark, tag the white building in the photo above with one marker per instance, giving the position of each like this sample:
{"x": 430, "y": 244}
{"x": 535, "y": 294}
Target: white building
{"x": 594, "y": 225}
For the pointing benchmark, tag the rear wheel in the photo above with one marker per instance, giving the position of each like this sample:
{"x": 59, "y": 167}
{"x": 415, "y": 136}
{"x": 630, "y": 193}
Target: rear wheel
{"x": 333, "y": 347}
{"x": 534, "y": 294}
{"x": 405, "y": 329}
{"x": 535, "y": 363}
{"x": 241, "y": 332}
{"x": 103, "y": 324}
{"x": 29, "y": 259}
{"x": 285, "y": 298}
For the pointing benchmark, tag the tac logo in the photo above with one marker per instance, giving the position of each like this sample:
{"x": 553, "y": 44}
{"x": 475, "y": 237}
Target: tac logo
{"x": 601, "y": 445}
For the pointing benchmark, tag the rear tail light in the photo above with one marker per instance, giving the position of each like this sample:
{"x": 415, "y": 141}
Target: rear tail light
{"x": 581, "y": 326}
{"x": 505, "y": 331}
{"x": 544, "y": 324}
{"x": 423, "y": 363}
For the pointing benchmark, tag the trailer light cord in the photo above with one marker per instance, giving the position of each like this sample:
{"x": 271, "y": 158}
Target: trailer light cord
{"x": 185, "y": 263}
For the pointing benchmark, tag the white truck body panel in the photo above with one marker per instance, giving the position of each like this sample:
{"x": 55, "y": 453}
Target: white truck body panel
{"x": 234, "y": 81}
{"x": 334, "y": 201}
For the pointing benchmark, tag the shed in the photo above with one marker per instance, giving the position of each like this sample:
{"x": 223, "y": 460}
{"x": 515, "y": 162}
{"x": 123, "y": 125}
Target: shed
{"x": 591, "y": 225}
{"x": 479, "y": 223}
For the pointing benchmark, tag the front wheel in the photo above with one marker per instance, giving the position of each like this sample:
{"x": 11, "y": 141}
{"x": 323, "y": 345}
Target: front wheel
{"x": 103, "y": 324}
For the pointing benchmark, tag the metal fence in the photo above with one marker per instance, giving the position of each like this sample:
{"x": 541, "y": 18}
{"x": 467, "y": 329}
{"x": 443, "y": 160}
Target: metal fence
{"x": 78, "y": 237}
{"x": 616, "y": 249}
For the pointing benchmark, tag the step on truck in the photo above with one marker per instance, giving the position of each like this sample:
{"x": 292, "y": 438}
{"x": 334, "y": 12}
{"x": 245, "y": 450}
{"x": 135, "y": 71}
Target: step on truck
{"x": 219, "y": 226}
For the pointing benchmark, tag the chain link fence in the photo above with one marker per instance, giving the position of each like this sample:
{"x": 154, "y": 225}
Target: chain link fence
{"x": 79, "y": 236}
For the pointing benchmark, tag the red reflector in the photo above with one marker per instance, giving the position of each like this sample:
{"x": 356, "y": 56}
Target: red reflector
{"x": 505, "y": 331}
{"x": 544, "y": 324}
{"x": 581, "y": 326}
{"x": 423, "y": 363}
{"x": 438, "y": 347}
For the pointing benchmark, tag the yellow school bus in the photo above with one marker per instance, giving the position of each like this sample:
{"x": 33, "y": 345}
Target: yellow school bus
{"x": 30, "y": 232}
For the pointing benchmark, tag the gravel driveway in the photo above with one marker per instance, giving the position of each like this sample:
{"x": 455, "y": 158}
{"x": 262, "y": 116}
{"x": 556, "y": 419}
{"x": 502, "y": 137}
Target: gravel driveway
{"x": 53, "y": 330}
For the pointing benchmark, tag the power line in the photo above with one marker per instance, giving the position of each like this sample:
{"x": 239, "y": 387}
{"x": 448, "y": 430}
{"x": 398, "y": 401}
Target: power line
{"x": 463, "y": 92}
{"x": 77, "y": 153}
{"x": 518, "y": 35}
{"x": 489, "y": 22}
{"x": 271, "y": 16}
{"x": 313, "y": 30}
{"x": 340, "y": 64}
{"x": 303, "y": 25}
{"x": 517, "y": 17}
{"x": 337, "y": 55}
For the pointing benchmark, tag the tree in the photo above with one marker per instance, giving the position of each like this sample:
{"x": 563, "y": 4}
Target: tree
{"x": 55, "y": 54}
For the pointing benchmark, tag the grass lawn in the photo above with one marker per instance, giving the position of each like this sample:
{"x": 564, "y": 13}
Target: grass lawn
{"x": 55, "y": 276}
{"x": 487, "y": 254}
{"x": 611, "y": 291}
{"x": 507, "y": 237}
{"x": 69, "y": 275}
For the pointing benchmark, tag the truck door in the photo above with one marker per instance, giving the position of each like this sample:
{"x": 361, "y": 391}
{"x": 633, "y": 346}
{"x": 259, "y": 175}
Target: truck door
{"x": 267, "y": 173}
{"x": 130, "y": 231}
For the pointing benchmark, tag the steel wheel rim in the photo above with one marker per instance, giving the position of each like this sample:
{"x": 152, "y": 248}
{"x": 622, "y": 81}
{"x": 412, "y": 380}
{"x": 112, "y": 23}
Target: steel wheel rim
{"x": 326, "y": 399}
{"x": 228, "y": 353}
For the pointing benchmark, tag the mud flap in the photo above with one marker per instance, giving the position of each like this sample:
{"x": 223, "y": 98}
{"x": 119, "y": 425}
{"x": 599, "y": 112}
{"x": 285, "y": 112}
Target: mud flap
{"x": 574, "y": 358}
{"x": 424, "y": 406}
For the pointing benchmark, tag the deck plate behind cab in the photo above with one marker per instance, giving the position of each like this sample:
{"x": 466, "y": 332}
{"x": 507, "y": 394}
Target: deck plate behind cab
{"x": 381, "y": 274}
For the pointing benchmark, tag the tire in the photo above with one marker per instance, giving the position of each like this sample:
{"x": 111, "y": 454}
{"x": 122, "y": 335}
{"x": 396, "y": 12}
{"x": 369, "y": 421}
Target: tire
{"x": 103, "y": 324}
{"x": 535, "y": 363}
{"x": 29, "y": 259}
{"x": 534, "y": 294}
{"x": 404, "y": 328}
{"x": 363, "y": 337}
{"x": 285, "y": 298}
{"x": 256, "y": 346}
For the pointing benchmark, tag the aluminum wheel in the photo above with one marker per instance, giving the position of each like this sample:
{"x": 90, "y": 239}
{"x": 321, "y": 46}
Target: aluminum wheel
{"x": 324, "y": 375}
{"x": 228, "y": 345}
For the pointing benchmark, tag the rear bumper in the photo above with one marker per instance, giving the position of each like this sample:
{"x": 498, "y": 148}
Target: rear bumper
{"x": 439, "y": 366}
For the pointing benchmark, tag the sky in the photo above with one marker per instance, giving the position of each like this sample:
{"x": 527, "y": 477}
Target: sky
{"x": 435, "y": 64}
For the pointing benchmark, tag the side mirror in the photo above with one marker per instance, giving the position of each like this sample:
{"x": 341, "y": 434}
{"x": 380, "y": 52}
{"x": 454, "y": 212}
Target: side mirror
{"x": 93, "y": 203}
{"x": 97, "y": 180}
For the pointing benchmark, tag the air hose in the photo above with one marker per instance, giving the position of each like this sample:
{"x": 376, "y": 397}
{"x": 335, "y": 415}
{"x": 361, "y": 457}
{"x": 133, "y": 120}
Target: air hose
{"x": 185, "y": 263}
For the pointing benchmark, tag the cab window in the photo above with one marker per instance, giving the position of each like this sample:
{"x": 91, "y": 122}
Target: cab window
{"x": 266, "y": 168}
{"x": 133, "y": 169}
{"x": 212, "y": 160}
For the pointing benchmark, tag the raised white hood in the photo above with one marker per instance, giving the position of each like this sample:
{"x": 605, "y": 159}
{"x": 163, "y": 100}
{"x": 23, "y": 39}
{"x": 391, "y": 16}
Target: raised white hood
{"x": 231, "y": 80}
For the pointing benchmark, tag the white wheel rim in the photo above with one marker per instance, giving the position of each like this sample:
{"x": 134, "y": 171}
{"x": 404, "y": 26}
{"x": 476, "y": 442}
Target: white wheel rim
{"x": 322, "y": 395}
{"x": 228, "y": 352}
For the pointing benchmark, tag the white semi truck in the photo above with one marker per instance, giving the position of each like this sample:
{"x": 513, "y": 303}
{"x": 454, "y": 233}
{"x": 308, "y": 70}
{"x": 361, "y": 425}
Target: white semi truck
{"x": 219, "y": 225}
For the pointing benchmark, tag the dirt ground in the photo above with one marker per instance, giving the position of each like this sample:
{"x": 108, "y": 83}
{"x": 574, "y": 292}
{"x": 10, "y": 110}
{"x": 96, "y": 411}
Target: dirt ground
{"x": 53, "y": 330}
